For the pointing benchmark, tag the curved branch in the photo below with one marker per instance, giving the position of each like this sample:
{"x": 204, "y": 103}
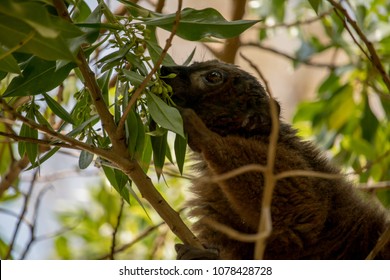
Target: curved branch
{"x": 119, "y": 154}
{"x": 290, "y": 57}
{"x": 373, "y": 55}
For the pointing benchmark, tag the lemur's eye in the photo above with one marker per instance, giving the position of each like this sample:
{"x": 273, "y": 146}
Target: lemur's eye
{"x": 214, "y": 77}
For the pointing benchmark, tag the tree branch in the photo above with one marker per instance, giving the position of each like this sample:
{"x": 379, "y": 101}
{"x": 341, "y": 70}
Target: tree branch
{"x": 21, "y": 216}
{"x": 37, "y": 141}
{"x": 373, "y": 57}
{"x": 119, "y": 154}
{"x": 290, "y": 57}
{"x": 139, "y": 90}
{"x": 13, "y": 173}
{"x": 265, "y": 223}
{"x": 115, "y": 231}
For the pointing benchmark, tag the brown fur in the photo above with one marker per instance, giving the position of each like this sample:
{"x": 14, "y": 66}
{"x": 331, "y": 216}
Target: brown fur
{"x": 227, "y": 117}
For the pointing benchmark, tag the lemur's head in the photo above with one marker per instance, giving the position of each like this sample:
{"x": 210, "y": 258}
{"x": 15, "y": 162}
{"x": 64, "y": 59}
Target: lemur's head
{"x": 228, "y": 100}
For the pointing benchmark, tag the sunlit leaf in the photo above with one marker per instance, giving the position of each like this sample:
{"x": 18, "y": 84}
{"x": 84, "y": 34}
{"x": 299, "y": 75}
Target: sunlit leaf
{"x": 369, "y": 123}
{"x": 118, "y": 180}
{"x": 180, "y": 151}
{"x": 166, "y": 116}
{"x": 5, "y": 150}
{"x": 159, "y": 145}
{"x": 58, "y": 109}
{"x": 146, "y": 156}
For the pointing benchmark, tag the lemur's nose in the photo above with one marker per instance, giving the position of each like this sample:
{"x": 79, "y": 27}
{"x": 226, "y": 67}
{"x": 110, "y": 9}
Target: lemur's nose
{"x": 166, "y": 70}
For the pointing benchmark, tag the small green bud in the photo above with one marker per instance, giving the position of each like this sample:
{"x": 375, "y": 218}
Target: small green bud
{"x": 170, "y": 76}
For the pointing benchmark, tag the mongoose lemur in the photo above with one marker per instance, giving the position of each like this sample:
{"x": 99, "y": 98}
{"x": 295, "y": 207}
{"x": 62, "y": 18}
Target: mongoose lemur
{"x": 226, "y": 114}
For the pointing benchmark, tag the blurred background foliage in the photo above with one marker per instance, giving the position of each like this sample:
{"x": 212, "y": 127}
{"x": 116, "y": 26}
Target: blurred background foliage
{"x": 347, "y": 116}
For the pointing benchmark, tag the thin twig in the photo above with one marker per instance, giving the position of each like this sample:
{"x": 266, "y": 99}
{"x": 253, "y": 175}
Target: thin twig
{"x": 261, "y": 168}
{"x": 298, "y": 22}
{"x": 265, "y": 223}
{"x": 385, "y": 185}
{"x": 75, "y": 143}
{"x": 232, "y": 233}
{"x": 381, "y": 243}
{"x": 373, "y": 55}
{"x": 15, "y": 168}
{"x": 33, "y": 224}
{"x": 290, "y": 57}
{"x": 140, "y": 89}
{"x": 21, "y": 217}
{"x": 233, "y": 173}
{"x": 115, "y": 231}
{"x": 136, "y": 240}
{"x": 42, "y": 142}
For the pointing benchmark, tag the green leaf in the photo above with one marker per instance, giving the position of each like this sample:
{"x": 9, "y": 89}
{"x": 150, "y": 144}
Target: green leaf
{"x": 194, "y": 25}
{"x": 159, "y": 146}
{"x": 133, "y": 77}
{"x": 30, "y": 41}
{"x": 8, "y": 63}
{"x": 91, "y": 121}
{"x": 136, "y": 62}
{"x": 155, "y": 51}
{"x": 132, "y": 131}
{"x": 58, "y": 109}
{"x": 62, "y": 248}
{"x": 31, "y": 149}
{"x": 134, "y": 194}
{"x": 44, "y": 158}
{"x": 31, "y": 13}
{"x": 5, "y": 150}
{"x": 340, "y": 114}
{"x": 180, "y": 151}
{"x": 118, "y": 180}
{"x": 103, "y": 82}
{"x": 111, "y": 60}
{"x": 278, "y": 8}
{"x": 81, "y": 11}
{"x": 140, "y": 144}
{"x": 189, "y": 58}
{"x": 136, "y": 10}
{"x": 39, "y": 76}
{"x": 315, "y": 4}
{"x": 86, "y": 157}
{"x": 146, "y": 156}
{"x": 368, "y": 122}
{"x": 166, "y": 116}
{"x": 42, "y": 120}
